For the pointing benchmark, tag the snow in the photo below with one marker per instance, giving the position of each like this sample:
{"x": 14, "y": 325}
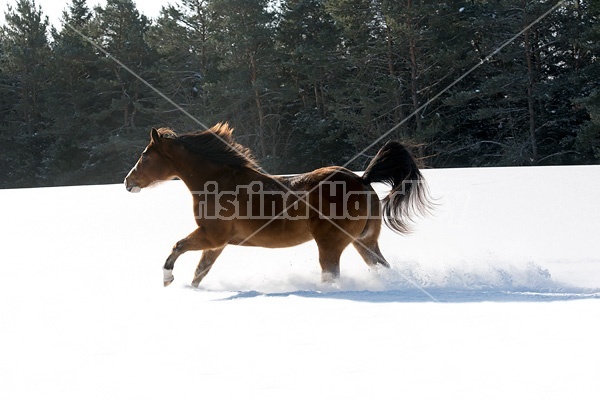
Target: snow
{"x": 495, "y": 296}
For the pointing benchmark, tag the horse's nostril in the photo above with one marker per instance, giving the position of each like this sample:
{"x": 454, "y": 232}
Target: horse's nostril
{"x": 131, "y": 187}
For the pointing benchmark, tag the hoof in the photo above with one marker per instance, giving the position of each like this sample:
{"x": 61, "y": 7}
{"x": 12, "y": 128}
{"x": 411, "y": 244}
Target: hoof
{"x": 168, "y": 277}
{"x": 329, "y": 278}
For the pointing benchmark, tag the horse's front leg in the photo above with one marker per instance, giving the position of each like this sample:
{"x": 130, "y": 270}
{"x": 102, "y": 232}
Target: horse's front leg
{"x": 206, "y": 262}
{"x": 196, "y": 240}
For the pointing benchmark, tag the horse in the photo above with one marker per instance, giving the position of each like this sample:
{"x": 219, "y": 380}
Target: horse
{"x": 236, "y": 203}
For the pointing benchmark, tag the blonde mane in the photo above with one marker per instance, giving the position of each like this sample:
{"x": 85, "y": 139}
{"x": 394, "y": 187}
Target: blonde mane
{"x": 215, "y": 144}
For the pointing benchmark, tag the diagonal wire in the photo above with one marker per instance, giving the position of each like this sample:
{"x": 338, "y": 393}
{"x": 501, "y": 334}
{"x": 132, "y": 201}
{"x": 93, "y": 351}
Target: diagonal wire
{"x": 157, "y": 91}
{"x": 106, "y": 53}
{"x": 455, "y": 82}
{"x": 145, "y": 82}
{"x": 434, "y": 98}
{"x": 376, "y": 141}
{"x": 426, "y": 104}
{"x": 136, "y": 75}
{"x": 185, "y": 112}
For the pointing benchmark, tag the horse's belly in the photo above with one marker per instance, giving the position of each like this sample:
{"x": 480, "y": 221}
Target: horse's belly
{"x": 274, "y": 234}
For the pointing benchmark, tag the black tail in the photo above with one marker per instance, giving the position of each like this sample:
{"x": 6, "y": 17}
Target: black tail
{"x": 409, "y": 197}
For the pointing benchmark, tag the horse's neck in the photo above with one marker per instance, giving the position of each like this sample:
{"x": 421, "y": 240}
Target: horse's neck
{"x": 194, "y": 172}
{"x": 198, "y": 174}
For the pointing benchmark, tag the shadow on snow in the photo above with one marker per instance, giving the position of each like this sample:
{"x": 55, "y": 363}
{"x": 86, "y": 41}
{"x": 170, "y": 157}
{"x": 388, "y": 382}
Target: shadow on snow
{"x": 433, "y": 295}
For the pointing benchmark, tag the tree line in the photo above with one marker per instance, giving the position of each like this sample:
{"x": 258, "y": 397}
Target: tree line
{"x": 305, "y": 83}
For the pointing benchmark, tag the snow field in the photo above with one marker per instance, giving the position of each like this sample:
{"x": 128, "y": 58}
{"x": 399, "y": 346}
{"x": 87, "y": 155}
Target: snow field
{"x": 511, "y": 257}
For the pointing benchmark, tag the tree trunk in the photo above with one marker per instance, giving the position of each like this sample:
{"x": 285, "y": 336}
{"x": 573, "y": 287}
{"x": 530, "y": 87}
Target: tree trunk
{"x": 530, "y": 81}
{"x": 261, "y": 115}
{"x": 414, "y": 85}
{"x": 392, "y": 71}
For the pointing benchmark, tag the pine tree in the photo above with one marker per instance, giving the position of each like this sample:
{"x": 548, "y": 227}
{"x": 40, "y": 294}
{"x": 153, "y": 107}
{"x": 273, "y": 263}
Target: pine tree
{"x": 182, "y": 37}
{"x": 311, "y": 71}
{"x": 305, "y": 82}
{"x": 73, "y": 96}
{"x": 587, "y": 40}
{"x": 125, "y": 105}
{"x": 24, "y": 57}
{"x": 26, "y": 51}
{"x": 122, "y": 31}
{"x": 394, "y": 65}
{"x": 309, "y": 42}
{"x": 247, "y": 84}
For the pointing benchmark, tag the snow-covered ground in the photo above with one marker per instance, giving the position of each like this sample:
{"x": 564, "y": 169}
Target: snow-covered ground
{"x": 494, "y": 297}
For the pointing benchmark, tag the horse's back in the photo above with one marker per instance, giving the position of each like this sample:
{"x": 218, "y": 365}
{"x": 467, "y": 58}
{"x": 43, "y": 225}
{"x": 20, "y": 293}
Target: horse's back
{"x": 340, "y": 203}
{"x": 310, "y": 180}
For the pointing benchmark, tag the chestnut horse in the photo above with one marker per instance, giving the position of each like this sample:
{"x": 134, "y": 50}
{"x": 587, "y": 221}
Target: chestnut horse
{"x": 236, "y": 203}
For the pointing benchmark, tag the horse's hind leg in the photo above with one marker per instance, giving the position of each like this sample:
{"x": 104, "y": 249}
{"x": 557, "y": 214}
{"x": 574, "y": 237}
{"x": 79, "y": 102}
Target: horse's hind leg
{"x": 206, "y": 262}
{"x": 330, "y": 265}
{"x": 367, "y": 245}
{"x": 329, "y": 258}
{"x": 370, "y": 252}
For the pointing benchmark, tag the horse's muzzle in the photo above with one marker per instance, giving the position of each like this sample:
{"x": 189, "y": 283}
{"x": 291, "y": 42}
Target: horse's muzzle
{"x": 132, "y": 187}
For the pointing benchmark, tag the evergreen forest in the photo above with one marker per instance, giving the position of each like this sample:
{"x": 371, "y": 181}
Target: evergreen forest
{"x": 305, "y": 83}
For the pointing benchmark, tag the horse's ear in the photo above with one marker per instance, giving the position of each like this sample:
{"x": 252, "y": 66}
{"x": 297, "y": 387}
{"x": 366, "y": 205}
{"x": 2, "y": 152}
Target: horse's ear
{"x": 154, "y": 136}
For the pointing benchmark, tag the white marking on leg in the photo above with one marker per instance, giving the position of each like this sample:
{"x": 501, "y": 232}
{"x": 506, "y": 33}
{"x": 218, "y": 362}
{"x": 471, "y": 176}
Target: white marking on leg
{"x": 168, "y": 275}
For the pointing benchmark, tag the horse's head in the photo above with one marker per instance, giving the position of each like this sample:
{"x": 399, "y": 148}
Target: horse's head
{"x": 154, "y": 165}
